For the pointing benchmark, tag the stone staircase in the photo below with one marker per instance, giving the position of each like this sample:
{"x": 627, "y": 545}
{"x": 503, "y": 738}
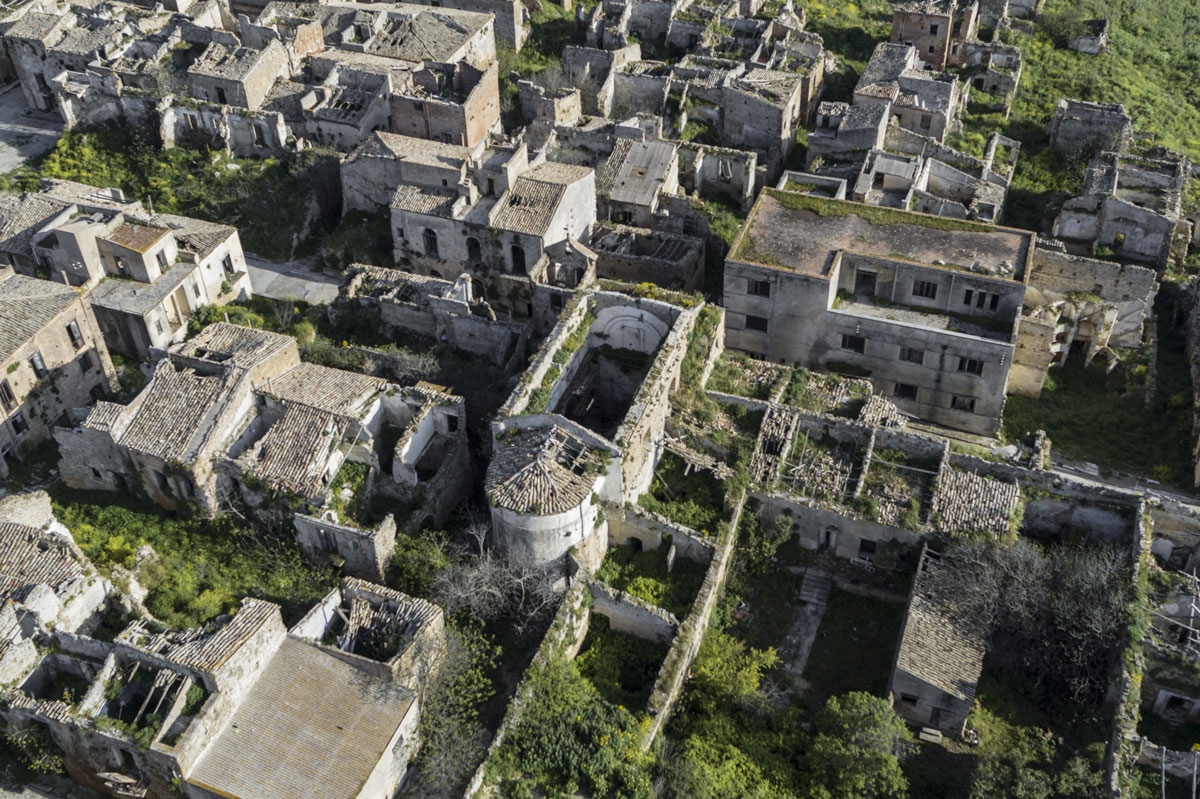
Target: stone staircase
{"x": 815, "y": 588}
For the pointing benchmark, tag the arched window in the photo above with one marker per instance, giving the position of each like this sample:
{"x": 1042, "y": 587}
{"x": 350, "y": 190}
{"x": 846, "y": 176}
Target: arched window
{"x": 429, "y": 238}
{"x": 474, "y": 254}
{"x": 518, "y": 259}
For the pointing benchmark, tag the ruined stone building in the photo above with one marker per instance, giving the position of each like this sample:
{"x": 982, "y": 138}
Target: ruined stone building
{"x": 1079, "y": 127}
{"x": 235, "y": 412}
{"x": 584, "y": 430}
{"x": 928, "y": 103}
{"x": 244, "y": 708}
{"x": 927, "y": 308}
{"x": 146, "y": 273}
{"x": 887, "y": 165}
{"x": 937, "y": 30}
{"x": 1082, "y": 306}
{"x": 53, "y": 360}
{"x": 939, "y": 660}
{"x": 298, "y": 75}
{"x": 1130, "y": 206}
{"x": 528, "y": 230}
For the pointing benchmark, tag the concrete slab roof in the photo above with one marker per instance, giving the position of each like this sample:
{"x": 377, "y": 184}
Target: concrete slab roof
{"x": 803, "y": 234}
{"x": 313, "y": 725}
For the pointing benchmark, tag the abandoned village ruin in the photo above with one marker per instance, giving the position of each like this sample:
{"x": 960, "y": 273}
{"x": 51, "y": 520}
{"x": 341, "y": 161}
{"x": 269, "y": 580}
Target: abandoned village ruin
{"x": 701, "y": 299}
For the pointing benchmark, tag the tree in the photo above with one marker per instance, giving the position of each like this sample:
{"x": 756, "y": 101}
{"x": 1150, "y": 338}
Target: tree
{"x": 726, "y": 670}
{"x": 487, "y": 586}
{"x": 854, "y": 755}
{"x": 453, "y": 738}
{"x": 1009, "y": 776}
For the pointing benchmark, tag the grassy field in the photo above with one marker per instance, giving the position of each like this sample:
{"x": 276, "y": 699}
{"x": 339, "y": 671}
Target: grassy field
{"x": 855, "y": 646}
{"x": 1104, "y": 418}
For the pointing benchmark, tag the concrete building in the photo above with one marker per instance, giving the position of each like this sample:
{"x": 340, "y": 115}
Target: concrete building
{"x": 52, "y": 360}
{"x": 927, "y": 308}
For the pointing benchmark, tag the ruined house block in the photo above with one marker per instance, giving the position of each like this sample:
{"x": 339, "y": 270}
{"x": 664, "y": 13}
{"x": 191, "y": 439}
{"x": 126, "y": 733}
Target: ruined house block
{"x": 1080, "y": 127}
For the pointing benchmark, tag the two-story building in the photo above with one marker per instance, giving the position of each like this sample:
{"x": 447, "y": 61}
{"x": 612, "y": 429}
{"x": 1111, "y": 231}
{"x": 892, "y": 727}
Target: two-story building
{"x": 52, "y": 360}
{"x": 926, "y": 307}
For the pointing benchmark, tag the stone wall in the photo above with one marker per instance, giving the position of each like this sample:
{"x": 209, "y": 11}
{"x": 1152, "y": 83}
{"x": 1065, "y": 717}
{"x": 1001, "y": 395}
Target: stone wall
{"x": 629, "y": 614}
{"x": 564, "y": 638}
{"x": 650, "y": 529}
{"x": 366, "y": 552}
{"x": 671, "y": 677}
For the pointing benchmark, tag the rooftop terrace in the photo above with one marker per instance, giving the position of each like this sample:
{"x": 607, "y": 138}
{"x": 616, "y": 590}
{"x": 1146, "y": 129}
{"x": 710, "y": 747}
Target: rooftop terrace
{"x": 803, "y": 234}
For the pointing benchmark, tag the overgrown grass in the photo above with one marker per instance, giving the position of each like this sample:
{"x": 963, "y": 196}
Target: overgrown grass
{"x": 694, "y": 500}
{"x": 644, "y": 575}
{"x": 201, "y": 569}
{"x": 621, "y": 666}
{"x": 1103, "y": 418}
{"x": 855, "y": 646}
{"x": 271, "y": 201}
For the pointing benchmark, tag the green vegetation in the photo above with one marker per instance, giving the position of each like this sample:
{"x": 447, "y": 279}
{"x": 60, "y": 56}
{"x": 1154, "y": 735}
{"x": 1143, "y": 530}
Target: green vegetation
{"x": 1103, "y": 417}
{"x": 644, "y": 575}
{"x": 738, "y": 374}
{"x": 348, "y": 494}
{"x": 694, "y": 500}
{"x": 572, "y": 740}
{"x": 874, "y": 214}
{"x": 855, "y": 646}
{"x": 621, "y": 666}
{"x": 281, "y": 207}
{"x": 201, "y": 568}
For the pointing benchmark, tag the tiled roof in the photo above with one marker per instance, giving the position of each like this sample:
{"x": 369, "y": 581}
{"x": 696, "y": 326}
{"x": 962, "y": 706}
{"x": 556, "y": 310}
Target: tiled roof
{"x": 635, "y": 171}
{"x": 196, "y": 235}
{"x": 136, "y": 236}
{"x": 28, "y": 558}
{"x": 938, "y": 645}
{"x": 104, "y": 416}
{"x": 529, "y": 206}
{"x": 171, "y": 414}
{"x": 381, "y": 144}
{"x": 245, "y": 346}
{"x": 23, "y": 215}
{"x": 295, "y": 450}
{"x": 428, "y": 36}
{"x": 27, "y": 305}
{"x": 135, "y": 297}
{"x": 206, "y": 650}
{"x": 964, "y": 502}
{"x": 424, "y": 200}
{"x": 543, "y": 472}
{"x": 219, "y": 61}
{"x": 326, "y": 389}
{"x": 312, "y": 725}
{"x": 33, "y": 25}
{"x": 85, "y": 40}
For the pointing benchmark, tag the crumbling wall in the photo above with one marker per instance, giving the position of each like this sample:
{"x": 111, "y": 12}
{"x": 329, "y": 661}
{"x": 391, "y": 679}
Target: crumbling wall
{"x": 650, "y": 529}
{"x": 629, "y": 614}
{"x": 366, "y": 552}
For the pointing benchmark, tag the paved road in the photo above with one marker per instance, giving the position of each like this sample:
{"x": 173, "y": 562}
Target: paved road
{"x": 294, "y": 280}
{"x": 22, "y": 137}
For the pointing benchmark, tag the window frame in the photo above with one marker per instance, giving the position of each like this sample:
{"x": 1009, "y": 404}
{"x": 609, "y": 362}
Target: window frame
{"x": 852, "y": 342}
{"x": 971, "y": 366}
{"x": 760, "y": 325}
{"x": 925, "y": 289}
